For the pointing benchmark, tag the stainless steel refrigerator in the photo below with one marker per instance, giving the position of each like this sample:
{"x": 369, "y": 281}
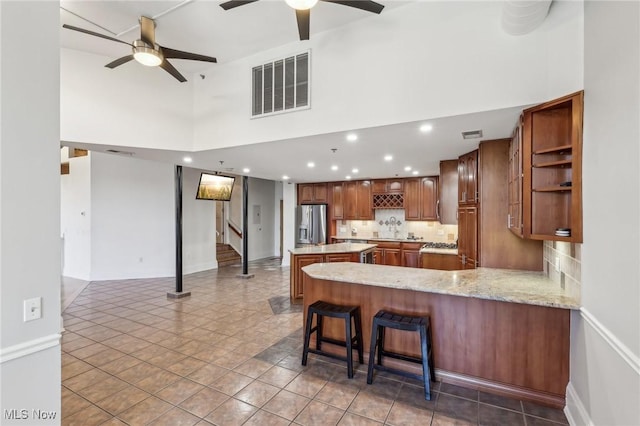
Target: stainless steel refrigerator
{"x": 311, "y": 224}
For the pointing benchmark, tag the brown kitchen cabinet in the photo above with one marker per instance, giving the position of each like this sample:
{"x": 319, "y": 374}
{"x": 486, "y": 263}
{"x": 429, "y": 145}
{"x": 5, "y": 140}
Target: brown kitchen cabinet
{"x": 552, "y": 169}
{"x": 443, "y": 262}
{"x": 357, "y": 199}
{"x": 411, "y": 254}
{"x": 447, "y": 204}
{"x": 296, "y": 274}
{"x": 388, "y": 253}
{"x": 514, "y": 216}
{"x": 336, "y": 206}
{"x": 468, "y": 178}
{"x": 420, "y": 198}
{"x": 312, "y": 193}
{"x": 468, "y": 237}
{"x": 388, "y": 186}
{"x": 342, "y": 257}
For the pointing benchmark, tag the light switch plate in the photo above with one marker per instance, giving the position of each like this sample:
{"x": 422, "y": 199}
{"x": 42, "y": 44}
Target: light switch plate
{"x": 32, "y": 309}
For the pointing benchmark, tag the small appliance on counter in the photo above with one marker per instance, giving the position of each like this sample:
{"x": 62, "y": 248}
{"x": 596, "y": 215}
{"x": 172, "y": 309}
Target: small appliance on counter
{"x": 311, "y": 224}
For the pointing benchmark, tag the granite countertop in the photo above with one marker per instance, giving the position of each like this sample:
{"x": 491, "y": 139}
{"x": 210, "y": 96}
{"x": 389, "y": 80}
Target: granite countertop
{"x": 531, "y": 288}
{"x": 333, "y": 248}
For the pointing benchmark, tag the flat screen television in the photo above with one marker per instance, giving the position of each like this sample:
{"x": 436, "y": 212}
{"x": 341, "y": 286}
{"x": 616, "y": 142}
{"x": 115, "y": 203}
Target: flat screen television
{"x": 215, "y": 187}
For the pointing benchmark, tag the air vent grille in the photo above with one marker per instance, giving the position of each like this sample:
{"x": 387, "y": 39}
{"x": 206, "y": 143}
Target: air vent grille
{"x": 281, "y": 85}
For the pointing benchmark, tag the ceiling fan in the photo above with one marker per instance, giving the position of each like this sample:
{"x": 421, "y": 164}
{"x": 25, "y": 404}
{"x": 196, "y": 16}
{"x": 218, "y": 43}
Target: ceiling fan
{"x": 146, "y": 51}
{"x": 303, "y": 9}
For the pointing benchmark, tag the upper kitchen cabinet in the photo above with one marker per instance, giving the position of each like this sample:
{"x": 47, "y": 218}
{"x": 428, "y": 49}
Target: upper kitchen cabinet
{"x": 514, "y": 216}
{"x": 552, "y": 170}
{"x": 357, "y": 199}
{"x": 388, "y": 193}
{"x": 337, "y": 200}
{"x": 312, "y": 193}
{"x": 468, "y": 179}
{"x": 420, "y": 198}
{"x": 447, "y": 204}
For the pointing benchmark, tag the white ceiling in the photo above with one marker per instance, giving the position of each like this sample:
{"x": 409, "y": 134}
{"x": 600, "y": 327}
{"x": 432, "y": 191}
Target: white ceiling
{"x": 204, "y": 27}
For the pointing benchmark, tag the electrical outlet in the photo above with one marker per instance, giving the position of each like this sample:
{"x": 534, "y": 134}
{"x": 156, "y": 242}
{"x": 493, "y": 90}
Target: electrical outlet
{"x": 32, "y": 309}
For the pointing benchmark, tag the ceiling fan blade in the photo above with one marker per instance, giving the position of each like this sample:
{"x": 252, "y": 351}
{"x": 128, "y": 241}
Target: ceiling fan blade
{"x": 368, "y": 5}
{"x": 303, "y": 17}
{"x": 119, "y": 61}
{"x": 235, "y": 3}
{"x": 165, "y": 65}
{"x": 82, "y": 30}
{"x": 148, "y": 30}
{"x": 178, "y": 54}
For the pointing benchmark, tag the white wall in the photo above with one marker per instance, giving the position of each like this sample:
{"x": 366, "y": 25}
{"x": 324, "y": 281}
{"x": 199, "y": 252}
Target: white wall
{"x": 198, "y": 226}
{"x": 133, "y": 218}
{"x": 130, "y": 105}
{"x": 75, "y": 214}
{"x": 277, "y": 197}
{"x": 30, "y": 209}
{"x": 410, "y": 76}
{"x": 289, "y": 195}
{"x": 605, "y": 346}
{"x": 260, "y": 227}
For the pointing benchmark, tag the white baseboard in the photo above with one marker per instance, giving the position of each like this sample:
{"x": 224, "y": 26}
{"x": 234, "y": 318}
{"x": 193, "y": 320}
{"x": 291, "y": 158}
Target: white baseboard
{"x": 27, "y": 348}
{"x": 574, "y": 409}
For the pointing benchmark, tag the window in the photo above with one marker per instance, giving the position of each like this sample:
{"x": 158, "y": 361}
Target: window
{"x": 281, "y": 85}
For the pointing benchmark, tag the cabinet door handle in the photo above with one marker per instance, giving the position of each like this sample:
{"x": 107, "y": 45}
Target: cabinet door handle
{"x": 438, "y": 209}
{"x": 509, "y": 220}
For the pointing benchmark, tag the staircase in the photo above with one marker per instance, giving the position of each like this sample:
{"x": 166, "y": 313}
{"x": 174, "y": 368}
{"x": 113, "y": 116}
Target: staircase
{"x": 226, "y": 255}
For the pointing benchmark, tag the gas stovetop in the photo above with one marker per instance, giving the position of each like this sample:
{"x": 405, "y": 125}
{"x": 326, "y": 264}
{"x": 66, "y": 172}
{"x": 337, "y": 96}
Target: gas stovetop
{"x": 440, "y": 245}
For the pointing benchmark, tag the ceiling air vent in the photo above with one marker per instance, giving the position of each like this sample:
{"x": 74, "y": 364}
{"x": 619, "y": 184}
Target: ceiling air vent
{"x": 472, "y": 134}
{"x": 115, "y": 151}
{"x": 280, "y": 86}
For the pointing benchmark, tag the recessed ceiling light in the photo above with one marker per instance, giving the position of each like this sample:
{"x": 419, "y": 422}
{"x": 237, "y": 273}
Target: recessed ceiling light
{"x": 285, "y": 177}
{"x": 311, "y": 164}
{"x": 426, "y": 128}
{"x": 347, "y": 177}
{"x": 354, "y": 171}
{"x": 352, "y": 137}
{"x": 472, "y": 134}
{"x": 407, "y": 169}
{"x": 187, "y": 159}
{"x": 334, "y": 168}
{"x": 415, "y": 172}
{"x": 246, "y": 170}
{"x": 388, "y": 157}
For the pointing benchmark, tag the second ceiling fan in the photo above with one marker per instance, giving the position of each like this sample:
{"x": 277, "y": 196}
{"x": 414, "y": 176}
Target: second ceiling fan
{"x": 303, "y": 9}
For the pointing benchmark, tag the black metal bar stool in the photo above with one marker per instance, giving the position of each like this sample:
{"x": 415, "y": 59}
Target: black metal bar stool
{"x": 422, "y": 324}
{"x": 352, "y": 341}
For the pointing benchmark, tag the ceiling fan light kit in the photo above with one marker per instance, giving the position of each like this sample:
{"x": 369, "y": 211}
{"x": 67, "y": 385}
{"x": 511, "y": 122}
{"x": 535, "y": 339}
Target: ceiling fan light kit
{"x": 146, "y": 55}
{"x": 301, "y": 4}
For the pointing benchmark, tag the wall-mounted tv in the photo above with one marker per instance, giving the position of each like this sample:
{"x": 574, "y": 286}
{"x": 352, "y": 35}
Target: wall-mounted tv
{"x": 215, "y": 187}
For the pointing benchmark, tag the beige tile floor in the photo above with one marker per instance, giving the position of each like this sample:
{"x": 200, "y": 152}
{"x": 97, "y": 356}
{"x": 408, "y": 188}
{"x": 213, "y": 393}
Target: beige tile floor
{"x": 230, "y": 354}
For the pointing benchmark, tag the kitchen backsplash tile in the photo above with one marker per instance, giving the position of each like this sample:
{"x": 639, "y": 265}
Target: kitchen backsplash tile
{"x": 568, "y": 273}
{"x": 390, "y": 223}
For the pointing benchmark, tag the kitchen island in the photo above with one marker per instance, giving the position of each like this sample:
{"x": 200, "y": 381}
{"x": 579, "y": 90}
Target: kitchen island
{"x": 500, "y": 331}
{"x": 307, "y": 255}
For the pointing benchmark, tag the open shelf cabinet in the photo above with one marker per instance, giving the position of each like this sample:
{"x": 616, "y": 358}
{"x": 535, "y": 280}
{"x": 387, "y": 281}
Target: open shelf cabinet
{"x": 552, "y": 169}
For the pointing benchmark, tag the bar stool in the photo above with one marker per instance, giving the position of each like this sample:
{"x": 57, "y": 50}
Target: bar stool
{"x": 383, "y": 320}
{"x": 352, "y": 341}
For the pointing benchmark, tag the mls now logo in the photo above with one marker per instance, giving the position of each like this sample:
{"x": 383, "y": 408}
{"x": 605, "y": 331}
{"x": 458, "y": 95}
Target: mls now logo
{"x": 16, "y": 414}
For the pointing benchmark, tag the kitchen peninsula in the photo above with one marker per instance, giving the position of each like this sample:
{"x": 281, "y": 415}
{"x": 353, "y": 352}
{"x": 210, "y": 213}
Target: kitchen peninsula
{"x": 500, "y": 331}
{"x": 307, "y": 255}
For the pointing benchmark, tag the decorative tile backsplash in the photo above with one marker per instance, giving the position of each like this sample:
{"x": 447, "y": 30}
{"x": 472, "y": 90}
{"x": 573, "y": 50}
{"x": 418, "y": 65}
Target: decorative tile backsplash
{"x": 562, "y": 262}
{"x": 390, "y": 223}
